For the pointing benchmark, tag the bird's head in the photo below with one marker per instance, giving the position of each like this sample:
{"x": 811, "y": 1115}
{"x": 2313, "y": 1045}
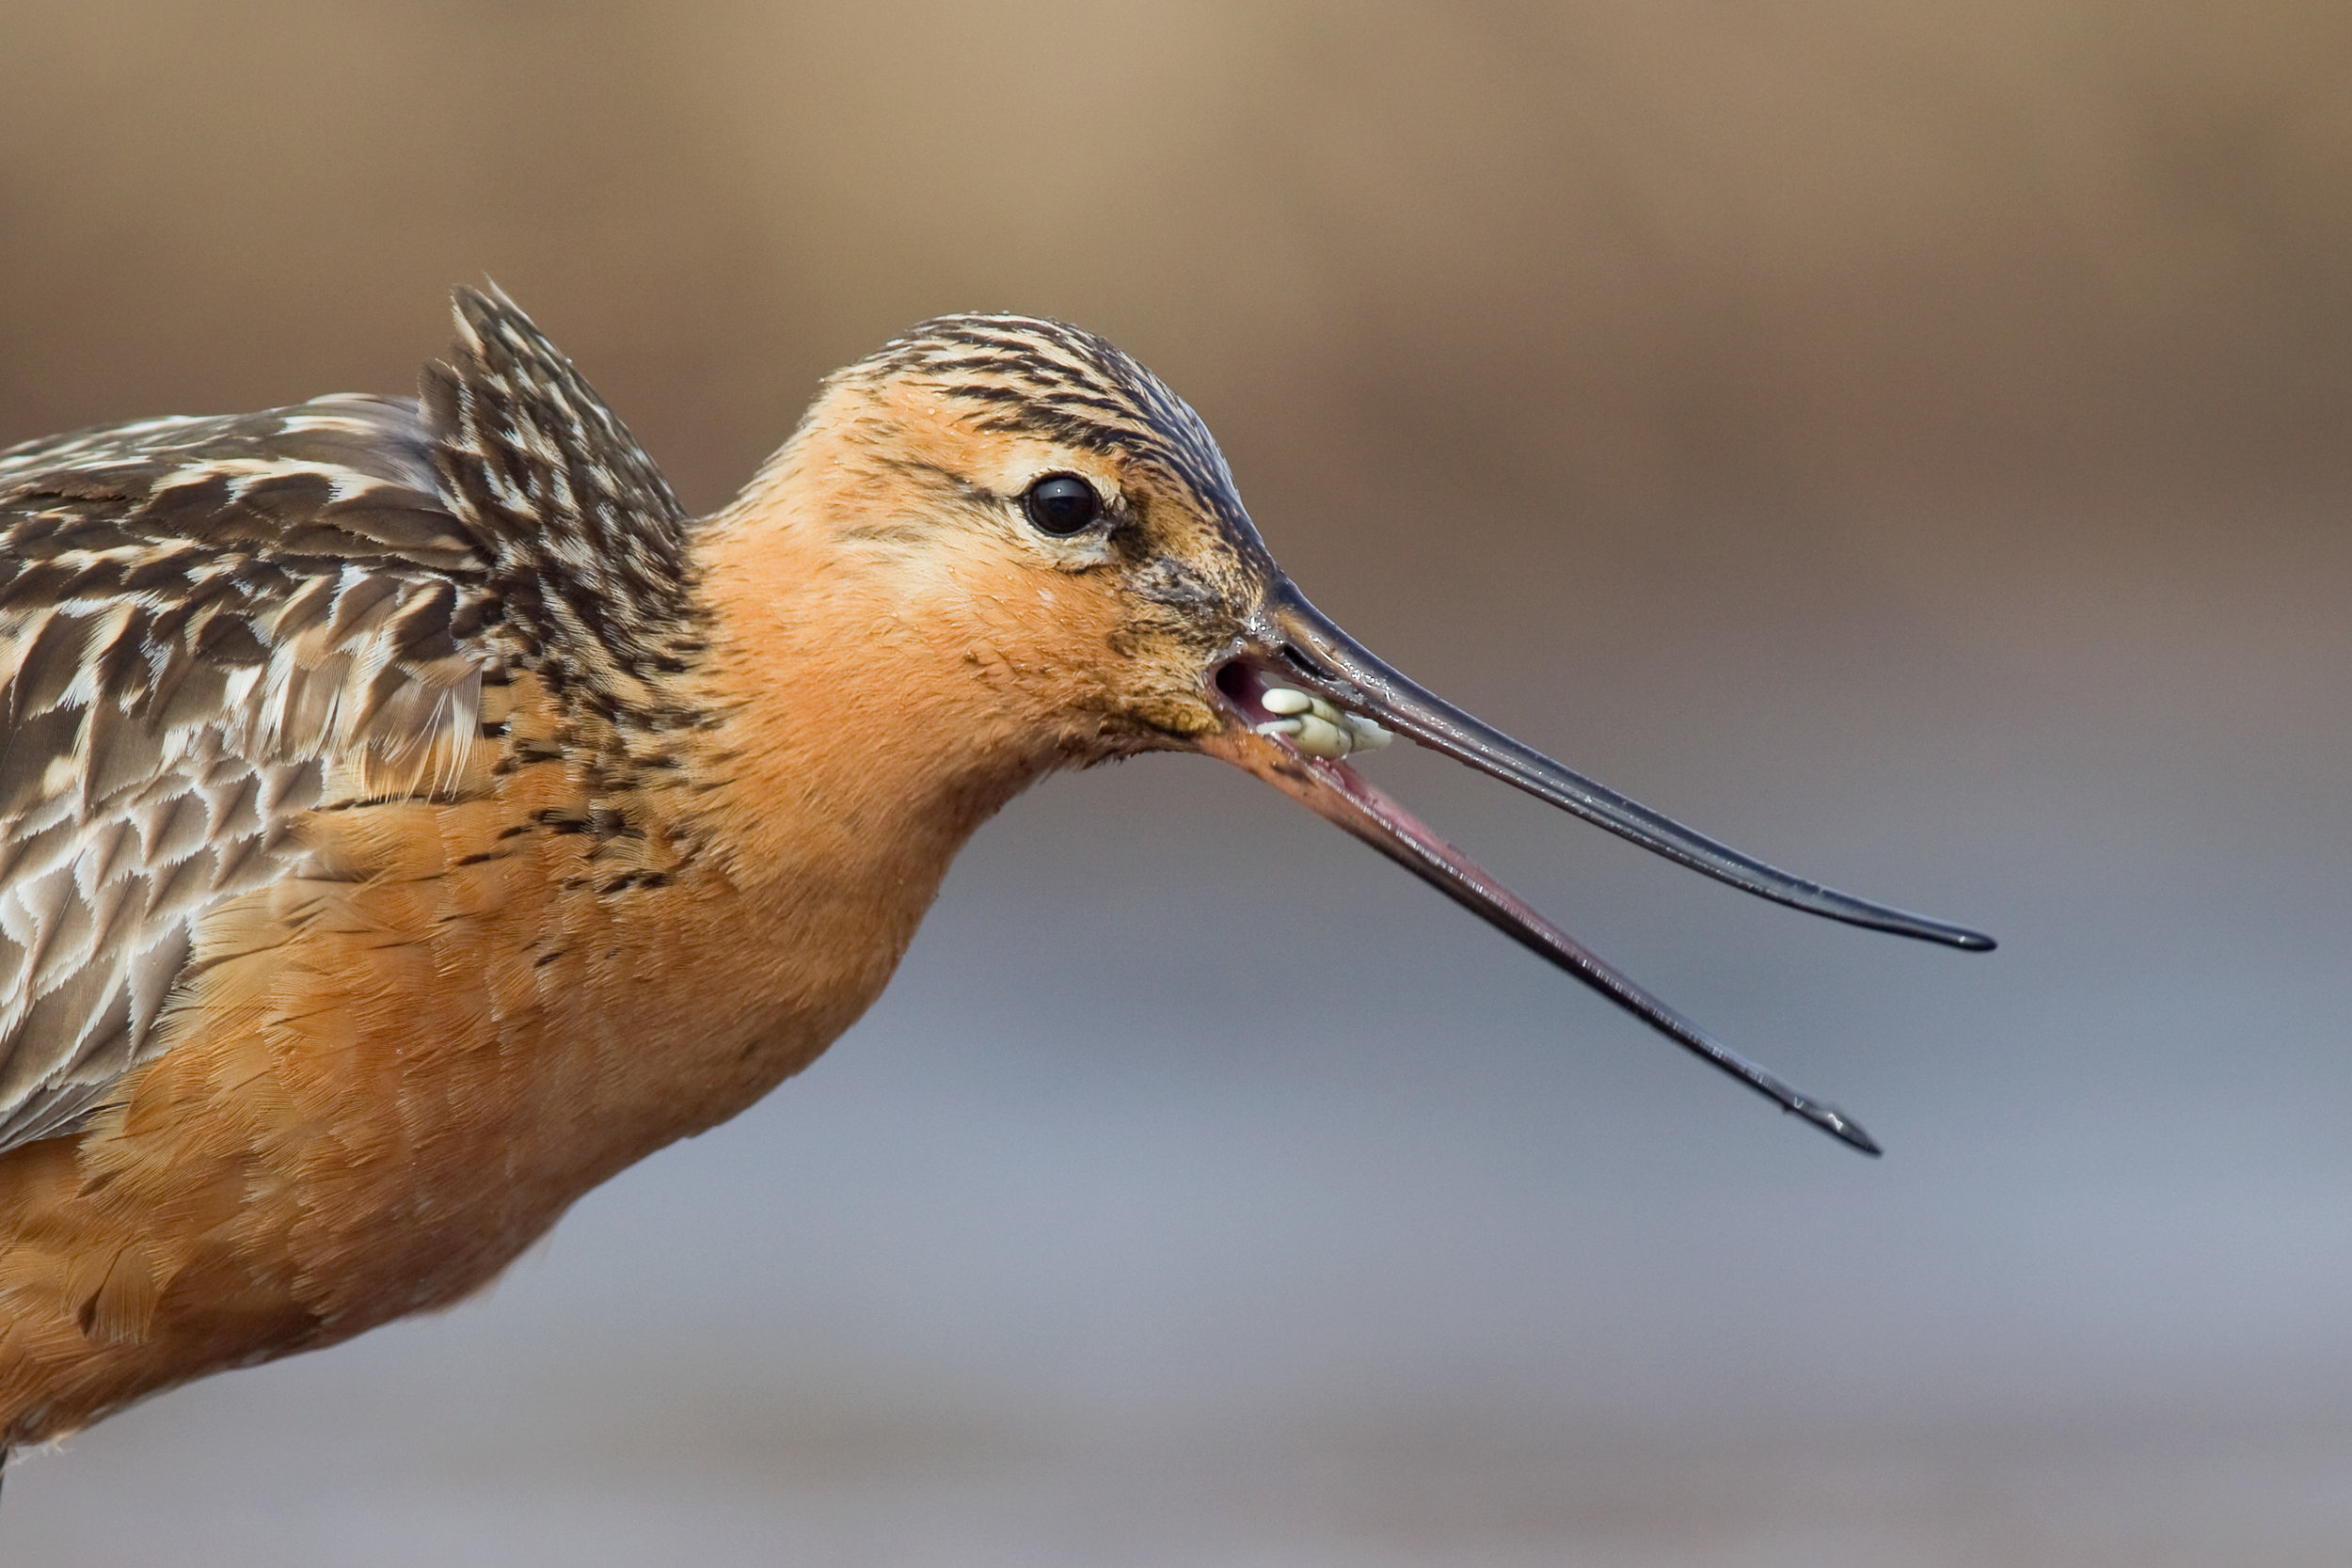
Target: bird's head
{"x": 1033, "y": 509}
{"x": 1034, "y": 522}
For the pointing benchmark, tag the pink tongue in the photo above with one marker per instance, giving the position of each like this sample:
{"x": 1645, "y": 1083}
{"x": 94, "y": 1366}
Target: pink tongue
{"x": 1382, "y": 821}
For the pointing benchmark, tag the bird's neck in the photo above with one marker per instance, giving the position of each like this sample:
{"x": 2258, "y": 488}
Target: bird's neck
{"x": 852, "y": 729}
{"x": 848, "y": 755}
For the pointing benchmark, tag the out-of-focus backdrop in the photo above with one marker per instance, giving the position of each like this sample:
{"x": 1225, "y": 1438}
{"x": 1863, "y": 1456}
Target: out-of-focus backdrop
{"x": 1911, "y": 441}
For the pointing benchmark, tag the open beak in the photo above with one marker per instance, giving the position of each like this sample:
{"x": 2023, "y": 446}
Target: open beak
{"x": 1282, "y": 727}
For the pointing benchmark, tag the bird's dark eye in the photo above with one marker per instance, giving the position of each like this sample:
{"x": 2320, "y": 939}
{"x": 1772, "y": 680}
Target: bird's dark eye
{"x": 1062, "y": 504}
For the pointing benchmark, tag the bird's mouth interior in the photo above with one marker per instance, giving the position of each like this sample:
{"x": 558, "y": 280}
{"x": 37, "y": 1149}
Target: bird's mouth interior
{"x": 1300, "y": 715}
{"x": 1244, "y": 682}
{"x": 1296, "y": 708}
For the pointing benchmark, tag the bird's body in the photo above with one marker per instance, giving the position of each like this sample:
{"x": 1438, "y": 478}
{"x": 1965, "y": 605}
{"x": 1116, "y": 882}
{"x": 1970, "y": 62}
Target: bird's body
{"x": 408, "y": 818}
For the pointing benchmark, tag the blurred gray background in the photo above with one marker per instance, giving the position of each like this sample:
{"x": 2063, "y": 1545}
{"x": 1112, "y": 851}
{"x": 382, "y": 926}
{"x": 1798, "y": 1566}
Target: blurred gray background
{"x": 1907, "y": 440}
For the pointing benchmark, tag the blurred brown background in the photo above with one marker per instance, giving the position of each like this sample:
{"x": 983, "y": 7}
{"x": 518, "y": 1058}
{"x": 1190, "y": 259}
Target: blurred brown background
{"x": 1907, "y": 440}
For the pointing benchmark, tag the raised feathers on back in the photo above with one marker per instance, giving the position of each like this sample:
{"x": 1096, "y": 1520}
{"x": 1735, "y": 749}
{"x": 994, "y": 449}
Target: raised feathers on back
{"x": 208, "y": 624}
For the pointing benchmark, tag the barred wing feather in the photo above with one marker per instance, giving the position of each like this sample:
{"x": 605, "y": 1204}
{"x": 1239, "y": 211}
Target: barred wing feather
{"x": 211, "y": 626}
{"x": 200, "y": 619}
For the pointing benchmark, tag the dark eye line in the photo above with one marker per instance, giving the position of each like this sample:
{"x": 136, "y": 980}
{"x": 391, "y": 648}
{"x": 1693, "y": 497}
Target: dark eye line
{"x": 946, "y": 479}
{"x": 1116, "y": 513}
{"x": 972, "y": 490}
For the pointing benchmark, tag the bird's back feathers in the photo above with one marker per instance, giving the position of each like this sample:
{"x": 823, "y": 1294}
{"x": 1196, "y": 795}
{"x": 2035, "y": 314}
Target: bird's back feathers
{"x": 211, "y": 626}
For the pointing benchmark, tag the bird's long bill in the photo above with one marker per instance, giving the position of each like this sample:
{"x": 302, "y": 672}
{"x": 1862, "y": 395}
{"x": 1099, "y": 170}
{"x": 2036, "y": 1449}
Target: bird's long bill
{"x": 1324, "y": 658}
{"x": 1316, "y": 656}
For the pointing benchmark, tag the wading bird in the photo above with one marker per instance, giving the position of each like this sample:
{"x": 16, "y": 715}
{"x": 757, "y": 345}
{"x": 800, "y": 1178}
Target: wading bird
{"x": 409, "y": 818}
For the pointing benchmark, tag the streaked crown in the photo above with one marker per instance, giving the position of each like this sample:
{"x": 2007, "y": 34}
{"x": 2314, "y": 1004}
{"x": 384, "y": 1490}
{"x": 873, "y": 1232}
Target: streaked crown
{"x": 1028, "y": 375}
